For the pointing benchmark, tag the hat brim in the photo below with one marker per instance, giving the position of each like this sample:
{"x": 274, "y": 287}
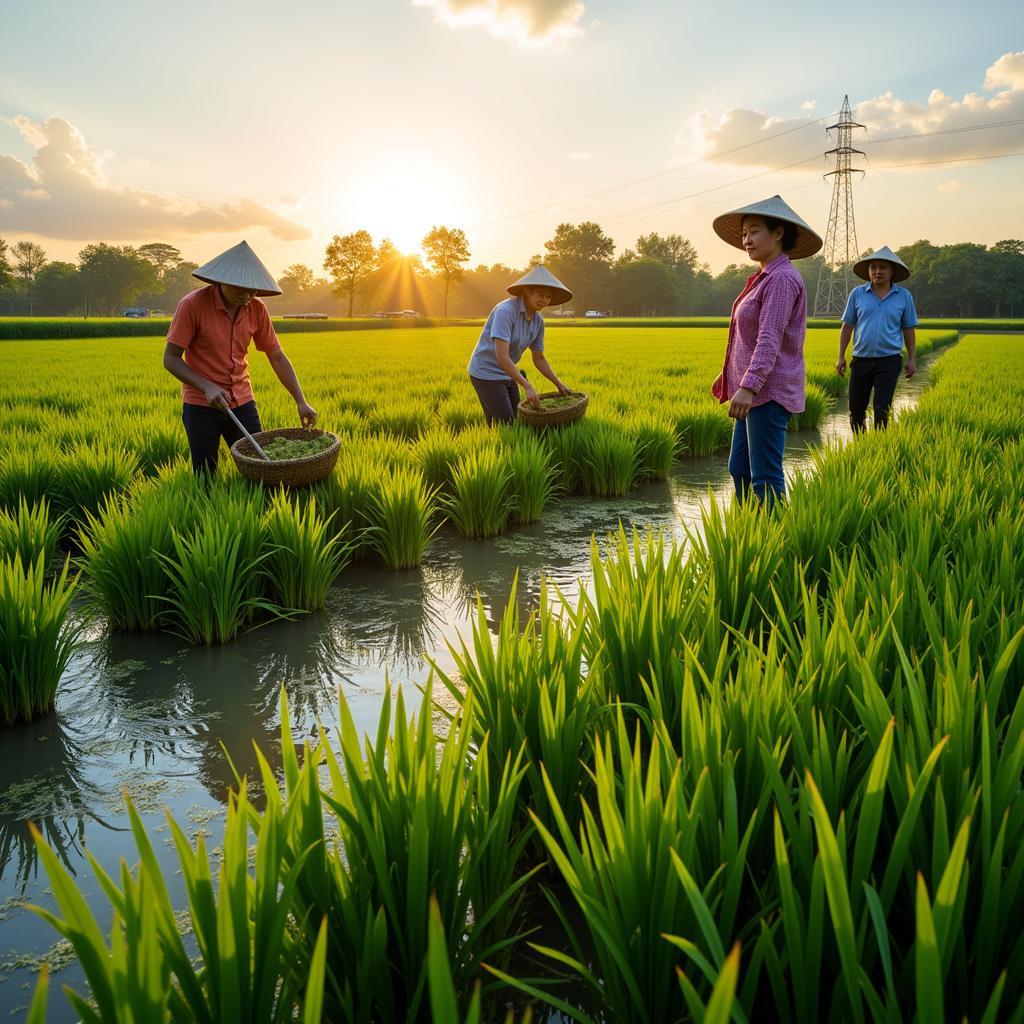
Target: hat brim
{"x": 899, "y": 273}
{"x": 237, "y": 284}
{"x": 729, "y": 228}
{"x": 559, "y": 295}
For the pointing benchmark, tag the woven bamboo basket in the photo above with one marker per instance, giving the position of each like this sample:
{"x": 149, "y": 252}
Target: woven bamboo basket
{"x": 554, "y": 417}
{"x": 290, "y": 472}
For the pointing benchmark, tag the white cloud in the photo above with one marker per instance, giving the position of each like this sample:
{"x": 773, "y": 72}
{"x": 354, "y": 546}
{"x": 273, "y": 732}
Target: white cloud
{"x": 808, "y": 105}
{"x": 946, "y": 128}
{"x": 953, "y": 185}
{"x": 66, "y": 194}
{"x": 528, "y": 22}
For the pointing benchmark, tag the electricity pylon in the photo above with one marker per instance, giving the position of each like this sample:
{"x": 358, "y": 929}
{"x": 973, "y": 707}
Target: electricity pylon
{"x": 840, "y": 251}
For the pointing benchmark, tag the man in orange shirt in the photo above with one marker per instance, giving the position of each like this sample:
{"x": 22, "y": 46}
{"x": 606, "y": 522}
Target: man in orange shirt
{"x": 208, "y": 351}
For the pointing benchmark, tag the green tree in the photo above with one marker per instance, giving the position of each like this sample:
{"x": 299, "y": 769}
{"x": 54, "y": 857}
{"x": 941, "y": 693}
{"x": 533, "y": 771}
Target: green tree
{"x": 580, "y": 255}
{"x": 29, "y": 259}
{"x": 350, "y": 259}
{"x": 163, "y": 256}
{"x": 645, "y": 287}
{"x": 113, "y": 276}
{"x": 6, "y": 271}
{"x": 58, "y": 289}
{"x": 297, "y": 279}
{"x": 446, "y": 249}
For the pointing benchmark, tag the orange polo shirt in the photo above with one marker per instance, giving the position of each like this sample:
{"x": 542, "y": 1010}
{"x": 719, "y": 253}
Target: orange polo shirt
{"x": 218, "y": 348}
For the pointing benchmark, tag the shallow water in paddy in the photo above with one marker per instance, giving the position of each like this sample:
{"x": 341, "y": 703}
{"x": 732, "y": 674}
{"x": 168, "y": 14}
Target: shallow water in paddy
{"x": 148, "y": 715}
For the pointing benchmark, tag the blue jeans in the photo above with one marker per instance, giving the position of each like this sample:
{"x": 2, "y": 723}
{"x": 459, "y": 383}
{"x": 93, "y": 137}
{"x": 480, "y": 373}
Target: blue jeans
{"x": 755, "y": 462}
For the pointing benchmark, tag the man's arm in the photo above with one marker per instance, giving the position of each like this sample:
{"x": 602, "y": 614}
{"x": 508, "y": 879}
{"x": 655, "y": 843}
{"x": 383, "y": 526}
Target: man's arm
{"x": 845, "y": 334}
{"x": 176, "y": 366}
{"x": 286, "y": 375}
{"x": 910, "y": 340}
{"x": 543, "y": 366}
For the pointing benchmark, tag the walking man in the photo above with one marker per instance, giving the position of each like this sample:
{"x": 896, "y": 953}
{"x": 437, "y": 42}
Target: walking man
{"x": 208, "y": 351}
{"x": 881, "y": 318}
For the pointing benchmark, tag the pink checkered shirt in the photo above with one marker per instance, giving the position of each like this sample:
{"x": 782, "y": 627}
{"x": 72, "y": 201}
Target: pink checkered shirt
{"x": 765, "y": 352}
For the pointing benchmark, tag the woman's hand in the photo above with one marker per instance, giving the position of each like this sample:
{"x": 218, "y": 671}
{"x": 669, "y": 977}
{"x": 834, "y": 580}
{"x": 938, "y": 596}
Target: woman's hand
{"x": 841, "y": 366}
{"x": 911, "y": 368}
{"x": 562, "y": 389}
{"x": 531, "y": 395}
{"x": 740, "y": 404}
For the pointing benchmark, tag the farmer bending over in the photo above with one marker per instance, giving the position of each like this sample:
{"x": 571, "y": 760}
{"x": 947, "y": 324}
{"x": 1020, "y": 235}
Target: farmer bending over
{"x": 208, "y": 351}
{"x": 881, "y": 317}
{"x": 514, "y": 326}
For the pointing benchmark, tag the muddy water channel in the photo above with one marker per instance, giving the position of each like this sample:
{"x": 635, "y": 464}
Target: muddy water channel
{"x": 151, "y": 717}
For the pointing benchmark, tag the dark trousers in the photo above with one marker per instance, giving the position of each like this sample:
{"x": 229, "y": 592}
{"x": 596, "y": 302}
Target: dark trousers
{"x": 755, "y": 460}
{"x": 205, "y": 426}
{"x": 499, "y": 398}
{"x": 869, "y": 374}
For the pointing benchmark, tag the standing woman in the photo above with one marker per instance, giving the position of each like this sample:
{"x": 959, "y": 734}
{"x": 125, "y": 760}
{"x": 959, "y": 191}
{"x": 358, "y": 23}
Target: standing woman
{"x": 515, "y": 325}
{"x": 763, "y": 376}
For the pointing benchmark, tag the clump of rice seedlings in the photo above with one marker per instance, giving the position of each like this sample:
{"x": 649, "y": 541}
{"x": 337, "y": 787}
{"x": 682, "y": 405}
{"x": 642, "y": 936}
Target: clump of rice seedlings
{"x": 406, "y": 421}
{"x": 436, "y": 452}
{"x": 29, "y": 532}
{"x": 280, "y": 449}
{"x": 157, "y": 446}
{"x": 216, "y": 575}
{"x": 481, "y": 502}
{"x": 530, "y": 690}
{"x": 27, "y": 474}
{"x": 36, "y": 639}
{"x": 347, "y": 496}
{"x": 402, "y": 512}
{"x": 87, "y": 474}
{"x": 564, "y": 445}
{"x": 384, "y": 450}
{"x": 306, "y": 555}
{"x": 704, "y": 429}
{"x": 817, "y": 403}
{"x": 416, "y": 816}
{"x": 249, "y": 962}
{"x": 534, "y": 475}
{"x": 477, "y": 438}
{"x": 459, "y": 414}
{"x": 607, "y": 461}
{"x": 656, "y": 444}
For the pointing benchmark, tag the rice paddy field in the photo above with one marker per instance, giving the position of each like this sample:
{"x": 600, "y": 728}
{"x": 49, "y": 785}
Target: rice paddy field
{"x": 500, "y": 723}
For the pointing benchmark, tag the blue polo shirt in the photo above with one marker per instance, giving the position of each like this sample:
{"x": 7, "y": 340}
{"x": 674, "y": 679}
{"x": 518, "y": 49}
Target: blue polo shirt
{"x": 879, "y": 323}
{"x": 507, "y": 322}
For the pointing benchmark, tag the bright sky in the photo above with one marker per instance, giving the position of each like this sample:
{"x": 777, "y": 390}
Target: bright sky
{"x": 199, "y": 124}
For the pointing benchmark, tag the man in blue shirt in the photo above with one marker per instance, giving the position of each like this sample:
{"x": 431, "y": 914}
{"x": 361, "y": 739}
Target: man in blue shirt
{"x": 515, "y": 325}
{"x": 881, "y": 318}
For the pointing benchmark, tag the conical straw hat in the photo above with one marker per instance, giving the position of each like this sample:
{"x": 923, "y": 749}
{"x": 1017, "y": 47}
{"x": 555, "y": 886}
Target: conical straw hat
{"x": 729, "y": 226}
{"x": 900, "y": 271}
{"x": 241, "y": 267}
{"x": 541, "y": 277}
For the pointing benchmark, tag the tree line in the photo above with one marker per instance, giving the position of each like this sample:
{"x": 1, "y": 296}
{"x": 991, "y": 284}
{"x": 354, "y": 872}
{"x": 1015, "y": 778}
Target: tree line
{"x": 661, "y": 275}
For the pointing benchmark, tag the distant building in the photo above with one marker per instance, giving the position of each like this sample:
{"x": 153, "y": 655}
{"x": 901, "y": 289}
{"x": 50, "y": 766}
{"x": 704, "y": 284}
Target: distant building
{"x": 136, "y": 311}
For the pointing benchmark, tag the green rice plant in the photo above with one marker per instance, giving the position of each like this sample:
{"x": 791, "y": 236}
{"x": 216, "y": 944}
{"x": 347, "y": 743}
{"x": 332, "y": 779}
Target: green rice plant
{"x": 414, "y": 817}
{"x": 216, "y": 575}
{"x": 564, "y": 445}
{"x": 656, "y": 443}
{"x": 481, "y": 502}
{"x": 123, "y": 550}
{"x": 529, "y": 692}
{"x": 703, "y": 429}
{"x": 36, "y": 638}
{"x": 87, "y": 474}
{"x": 459, "y": 414}
{"x": 817, "y": 402}
{"x": 621, "y": 869}
{"x": 404, "y": 420}
{"x": 607, "y": 461}
{"x": 436, "y": 452}
{"x": 402, "y": 514}
{"x": 534, "y": 476}
{"x": 26, "y": 474}
{"x": 306, "y": 556}
{"x": 252, "y": 963}
{"x": 347, "y": 495}
{"x": 29, "y": 532}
